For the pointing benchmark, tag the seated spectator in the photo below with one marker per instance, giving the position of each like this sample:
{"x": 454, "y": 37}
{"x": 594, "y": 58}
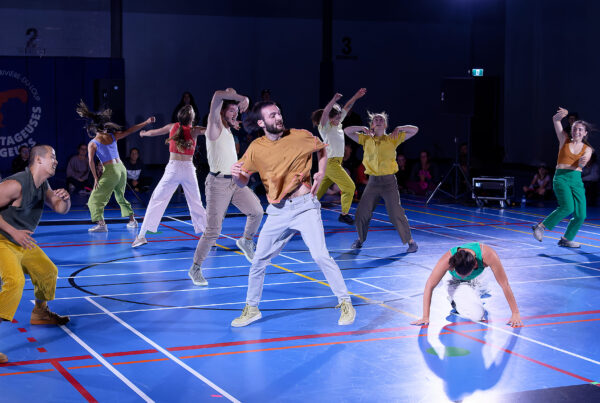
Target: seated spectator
{"x": 134, "y": 166}
{"x": 423, "y": 176}
{"x": 540, "y": 186}
{"x": 590, "y": 176}
{"x": 21, "y": 161}
{"x": 78, "y": 172}
{"x": 403, "y": 175}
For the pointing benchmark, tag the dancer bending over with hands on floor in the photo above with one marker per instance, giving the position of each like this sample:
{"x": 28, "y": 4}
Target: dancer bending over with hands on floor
{"x": 465, "y": 264}
{"x": 574, "y": 152}
{"x": 179, "y": 171}
{"x": 379, "y": 160}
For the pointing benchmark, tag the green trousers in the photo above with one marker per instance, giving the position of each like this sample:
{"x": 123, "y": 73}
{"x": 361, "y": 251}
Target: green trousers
{"x": 570, "y": 193}
{"x": 113, "y": 179}
{"x": 335, "y": 173}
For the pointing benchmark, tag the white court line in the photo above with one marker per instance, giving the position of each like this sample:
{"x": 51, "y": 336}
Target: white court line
{"x": 107, "y": 364}
{"x": 164, "y": 351}
{"x": 533, "y": 341}
{"x": 241, "y": 303}
{"x": 552, "y": 279}
{"x": 380, "y": 288}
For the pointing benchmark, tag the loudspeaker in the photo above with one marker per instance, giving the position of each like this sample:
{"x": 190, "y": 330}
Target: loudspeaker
{"x": 458, "y": 96}
{"x": 110, "y": 93}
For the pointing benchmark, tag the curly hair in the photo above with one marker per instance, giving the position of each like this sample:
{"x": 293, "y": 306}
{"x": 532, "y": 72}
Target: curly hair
{"x": 96, "y": 121}
{"x": 185, "y": 118}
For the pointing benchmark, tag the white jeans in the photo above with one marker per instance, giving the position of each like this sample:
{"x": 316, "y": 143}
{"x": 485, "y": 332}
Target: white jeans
{"x": 467, "y": 297}
{"x": 176, "y": 173}
{"x": 300, "y": 214}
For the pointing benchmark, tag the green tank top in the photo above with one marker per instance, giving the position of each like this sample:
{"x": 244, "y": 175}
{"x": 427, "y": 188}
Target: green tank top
{"x": 475, "y": 247}
{"x": 27, "y": 215}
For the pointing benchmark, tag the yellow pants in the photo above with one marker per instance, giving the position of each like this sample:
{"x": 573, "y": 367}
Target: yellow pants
{"x": 15, "y": 262}
{"x": 335, "y": 173}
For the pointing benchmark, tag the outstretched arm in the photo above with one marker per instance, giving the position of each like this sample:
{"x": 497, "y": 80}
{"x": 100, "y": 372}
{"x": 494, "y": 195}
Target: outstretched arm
{"x": 215, "y": 125}
{"x": 441, "y": 267}
{"x": 558, "y": 127}
{"x": 58, "y": 200}
{"x": 359, "y": 94}
{"x": 353, "y": 131}
{"x": 490, "y": 258}
{"x": 135, "y": 128}
{"x": 327, "y": 109}
{"x": 198, "y": 131}
{"x": 157, "y": 132}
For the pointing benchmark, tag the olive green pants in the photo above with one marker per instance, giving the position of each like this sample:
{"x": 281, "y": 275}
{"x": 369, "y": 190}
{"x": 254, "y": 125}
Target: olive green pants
{"x": 113, "y": 179}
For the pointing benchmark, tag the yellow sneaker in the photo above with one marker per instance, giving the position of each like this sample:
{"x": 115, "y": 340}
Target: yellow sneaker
{"x": 348, "y": 313}
{"x": 249, "y": 315}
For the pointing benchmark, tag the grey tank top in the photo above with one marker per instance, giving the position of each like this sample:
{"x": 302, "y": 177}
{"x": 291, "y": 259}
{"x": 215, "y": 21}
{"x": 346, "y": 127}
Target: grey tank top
{"x": 27, "y": 215}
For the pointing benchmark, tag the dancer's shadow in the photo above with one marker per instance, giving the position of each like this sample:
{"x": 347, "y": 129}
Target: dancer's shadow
{"x": 464, "y": 371}
{"x": 590, "y": 257}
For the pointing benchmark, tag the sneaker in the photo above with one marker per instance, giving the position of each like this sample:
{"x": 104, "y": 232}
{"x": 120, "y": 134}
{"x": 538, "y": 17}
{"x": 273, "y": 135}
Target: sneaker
{"x": 568, "y": 244}
{"x": 247, "y": 246}
{"x": 346, "y": 219}
{"x": 3, "y": 358}
{"x": 44, "y": 316}
{"x": 139, "y": 241}
{"x": 98, "y": 228}
{"x": 538, "y": 232}
{"x": 195, "y": 274}
{"x": 356, "y": 244}
{"x": 249, "y": 314}
{"x": 348, "y": 313}
{"x": 412, "y": 247}
{"x": 132, "y": 224}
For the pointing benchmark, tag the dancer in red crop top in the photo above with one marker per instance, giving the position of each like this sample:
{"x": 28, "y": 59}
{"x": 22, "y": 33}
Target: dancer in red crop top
{"x": 179, "y": 171}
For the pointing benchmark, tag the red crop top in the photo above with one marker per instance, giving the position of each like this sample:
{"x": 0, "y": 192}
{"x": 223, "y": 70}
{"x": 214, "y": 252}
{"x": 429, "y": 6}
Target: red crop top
{"x": 187, "y": 134}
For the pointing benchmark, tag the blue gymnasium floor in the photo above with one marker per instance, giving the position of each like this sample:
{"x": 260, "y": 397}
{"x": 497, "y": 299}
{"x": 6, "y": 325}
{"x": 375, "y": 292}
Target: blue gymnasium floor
{"x": 140, "y": 330}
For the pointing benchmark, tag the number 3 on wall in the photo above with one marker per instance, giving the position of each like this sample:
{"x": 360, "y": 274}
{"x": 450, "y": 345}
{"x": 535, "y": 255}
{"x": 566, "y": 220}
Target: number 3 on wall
{"x": 347, "y": 48}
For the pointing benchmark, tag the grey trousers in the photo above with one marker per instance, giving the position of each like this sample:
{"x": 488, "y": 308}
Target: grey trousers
{"x": 300, "y": 214}
{"x": 220, "y": 192}
{"x": 385, "y": 187}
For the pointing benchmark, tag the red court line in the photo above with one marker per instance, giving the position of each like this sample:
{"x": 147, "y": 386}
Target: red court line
{"x": 522, "y": 356}
{"x": 74, "y": 382}
{"x": 46, "y": 360}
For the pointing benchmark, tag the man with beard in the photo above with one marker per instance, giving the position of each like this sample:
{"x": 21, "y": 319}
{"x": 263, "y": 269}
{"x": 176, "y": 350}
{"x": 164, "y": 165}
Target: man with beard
{"x": 219, "y": 186}
{"x": 283, "y": 158}
{"x": 22, "y": 198}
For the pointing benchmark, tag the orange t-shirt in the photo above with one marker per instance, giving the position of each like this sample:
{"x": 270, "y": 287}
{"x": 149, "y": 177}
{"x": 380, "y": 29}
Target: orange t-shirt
{"x": 282, "y": 164}
{"x": 565, "y": 156}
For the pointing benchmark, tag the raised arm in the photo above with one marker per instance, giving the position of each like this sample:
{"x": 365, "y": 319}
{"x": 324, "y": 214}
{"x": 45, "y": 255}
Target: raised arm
{"x": 135, "y": 128}
{"x": 327, "y": 109}
{"x": 359, "y": 94}
{"x": 198, "y": 131}
{"x": 10, "y": 191}
{"x": 58, "y": 200}
{"x": 157, "y": 132}
{"x": 490, "y": 258}
{"x": 353, "y": 131}
{"x": 558, "y": 127}
{"x": 441, "y": 267}
{"x": 215, "y": 124}
{"x": 410, "y": 131}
